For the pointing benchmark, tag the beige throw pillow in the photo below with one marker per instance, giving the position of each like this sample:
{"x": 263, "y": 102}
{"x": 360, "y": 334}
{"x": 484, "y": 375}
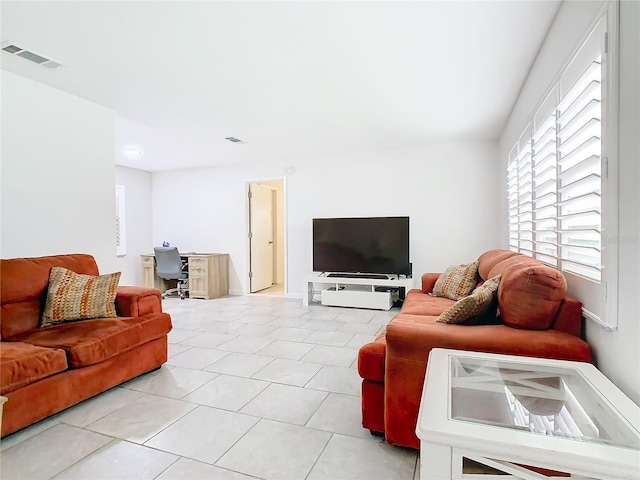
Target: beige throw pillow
{"x": 457, "y": 281}
{"x": 470, "y": 308}
{"x": 72, "y": 296}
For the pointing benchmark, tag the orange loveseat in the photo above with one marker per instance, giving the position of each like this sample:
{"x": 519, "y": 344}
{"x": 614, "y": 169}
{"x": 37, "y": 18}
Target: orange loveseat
{"x": 45, "y": 370}
{"x": 536, "y": 319}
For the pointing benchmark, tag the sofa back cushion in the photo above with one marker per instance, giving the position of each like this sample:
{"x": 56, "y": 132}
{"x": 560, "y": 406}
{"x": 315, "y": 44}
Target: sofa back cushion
{"x": 490, "y": 259}
{"x": 530, "y": 293}
{"x": 23, "y": 288}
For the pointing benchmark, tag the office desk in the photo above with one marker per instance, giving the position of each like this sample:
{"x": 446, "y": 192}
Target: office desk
{"x": 208, "y": 274}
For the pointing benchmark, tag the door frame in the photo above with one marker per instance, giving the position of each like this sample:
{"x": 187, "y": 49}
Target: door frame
{"x": 263, "y": 239}
{"x": 247, "y": 260}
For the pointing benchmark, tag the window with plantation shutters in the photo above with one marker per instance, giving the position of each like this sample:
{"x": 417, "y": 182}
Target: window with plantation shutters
{"x": 121, "y": 237}
{"x": 555, "y": 176}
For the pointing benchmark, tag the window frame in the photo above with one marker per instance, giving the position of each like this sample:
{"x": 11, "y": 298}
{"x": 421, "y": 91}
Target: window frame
{"x": 605, "y": 292}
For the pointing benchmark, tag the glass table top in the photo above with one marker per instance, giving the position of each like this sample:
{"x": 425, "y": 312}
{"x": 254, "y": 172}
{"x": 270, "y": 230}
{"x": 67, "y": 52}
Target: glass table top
{"x": 553, "y": 401}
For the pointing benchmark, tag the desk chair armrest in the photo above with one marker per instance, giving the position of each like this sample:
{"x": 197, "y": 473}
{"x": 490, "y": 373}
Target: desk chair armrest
{"x": 138, "y": 301}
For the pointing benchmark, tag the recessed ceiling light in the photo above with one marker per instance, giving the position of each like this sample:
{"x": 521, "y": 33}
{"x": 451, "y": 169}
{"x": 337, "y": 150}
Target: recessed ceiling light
{"x": 132, "y": 152}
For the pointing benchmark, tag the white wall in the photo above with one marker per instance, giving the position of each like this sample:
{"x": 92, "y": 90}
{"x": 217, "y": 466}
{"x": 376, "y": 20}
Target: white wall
{"x": 57, "y": 174}
{"x": 137, "y": 185}
{"x": 617, "y": 353}
{"x": 448, "y": 190}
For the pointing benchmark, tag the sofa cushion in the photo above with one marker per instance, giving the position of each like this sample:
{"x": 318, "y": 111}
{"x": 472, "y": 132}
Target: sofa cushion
{"x": 490, "y": 259}
{"x": 530, "y": 295}
{"x": 418, "y": 303}
{"x": 72, "y": 296}
{"x": 93, "y": 341}
{"x": 469, "y": 308}
{"x": 457, "y": 281}
{"x": 371, "y": 359}
{"x": 24, "y": 287}
{"x": 22, "y": 364}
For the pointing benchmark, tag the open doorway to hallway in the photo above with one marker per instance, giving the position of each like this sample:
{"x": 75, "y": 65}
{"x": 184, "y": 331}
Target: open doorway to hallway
{"x": 266, "y": 238}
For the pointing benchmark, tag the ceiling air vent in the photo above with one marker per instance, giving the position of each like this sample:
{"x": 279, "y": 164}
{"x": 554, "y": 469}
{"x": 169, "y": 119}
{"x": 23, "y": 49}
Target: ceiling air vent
{"x": 14, "y": 49}
{"x": 233, "y": 139}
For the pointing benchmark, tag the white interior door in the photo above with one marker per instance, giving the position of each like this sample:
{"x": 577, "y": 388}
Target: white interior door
{"x": 260, "y": 237}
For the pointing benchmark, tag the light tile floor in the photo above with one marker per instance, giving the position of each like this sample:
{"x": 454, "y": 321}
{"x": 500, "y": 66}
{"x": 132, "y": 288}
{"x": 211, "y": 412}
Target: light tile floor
{"x": 256, "y": 386}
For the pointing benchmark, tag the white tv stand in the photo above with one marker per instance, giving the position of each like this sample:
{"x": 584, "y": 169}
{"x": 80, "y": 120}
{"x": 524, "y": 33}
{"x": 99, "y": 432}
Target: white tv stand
{"x": 353, "y": 292}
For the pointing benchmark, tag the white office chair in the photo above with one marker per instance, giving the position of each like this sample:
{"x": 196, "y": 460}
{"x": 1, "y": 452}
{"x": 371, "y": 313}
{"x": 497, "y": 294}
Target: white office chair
{"x": 170, "y": 266}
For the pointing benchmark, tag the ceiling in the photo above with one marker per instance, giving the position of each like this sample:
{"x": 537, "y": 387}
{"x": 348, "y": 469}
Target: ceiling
{"x": 295, "y": 81}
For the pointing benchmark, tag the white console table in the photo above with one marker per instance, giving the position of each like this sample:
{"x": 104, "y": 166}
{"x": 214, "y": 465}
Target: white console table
{"x": 363, "y": 297}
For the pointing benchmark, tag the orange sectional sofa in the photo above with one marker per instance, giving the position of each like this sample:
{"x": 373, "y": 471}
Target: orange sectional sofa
{"x": 45, "y": 370}
{"x": 536, "y": 319}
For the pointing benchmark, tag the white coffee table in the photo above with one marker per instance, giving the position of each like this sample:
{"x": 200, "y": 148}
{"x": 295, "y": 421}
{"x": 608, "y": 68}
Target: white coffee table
{"x": 503, "y": 410}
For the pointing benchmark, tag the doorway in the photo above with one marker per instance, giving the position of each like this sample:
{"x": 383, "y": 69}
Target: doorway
{"x": 266, "y": 238}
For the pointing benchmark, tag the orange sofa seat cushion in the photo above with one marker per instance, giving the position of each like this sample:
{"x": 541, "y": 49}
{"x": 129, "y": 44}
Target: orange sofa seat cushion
{"x": 89, "y": 342}
{"x": 371, "y": 359}
{"x": 22, "y": 364}
{"x": 417, "y": 303}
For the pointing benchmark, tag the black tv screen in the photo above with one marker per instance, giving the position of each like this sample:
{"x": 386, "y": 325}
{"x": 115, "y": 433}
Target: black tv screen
{"x": 361, "y": 245}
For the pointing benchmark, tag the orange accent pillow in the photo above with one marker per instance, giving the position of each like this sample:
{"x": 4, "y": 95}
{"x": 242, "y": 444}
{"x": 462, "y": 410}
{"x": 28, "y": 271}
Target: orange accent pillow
{"x": 72, "y": 296}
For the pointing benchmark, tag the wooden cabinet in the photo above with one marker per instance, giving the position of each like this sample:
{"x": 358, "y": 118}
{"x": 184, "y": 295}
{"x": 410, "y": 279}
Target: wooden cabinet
{"x": 208, "y": 274}
{"x": 149, "y": 278}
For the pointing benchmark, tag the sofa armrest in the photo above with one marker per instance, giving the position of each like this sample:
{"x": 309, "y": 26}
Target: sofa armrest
{"x": 138, "y": 301}
{"x": 428, "y": 281}
{"x": 410, "y": 338}
{"x": 569, "y": 317}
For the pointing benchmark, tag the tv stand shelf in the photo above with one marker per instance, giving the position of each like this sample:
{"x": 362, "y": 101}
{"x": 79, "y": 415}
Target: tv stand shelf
{"x": 345, "y": 291}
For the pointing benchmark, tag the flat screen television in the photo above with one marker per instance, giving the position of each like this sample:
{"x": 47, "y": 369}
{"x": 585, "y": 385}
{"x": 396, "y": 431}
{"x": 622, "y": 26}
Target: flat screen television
{"x": 376, "y": 245}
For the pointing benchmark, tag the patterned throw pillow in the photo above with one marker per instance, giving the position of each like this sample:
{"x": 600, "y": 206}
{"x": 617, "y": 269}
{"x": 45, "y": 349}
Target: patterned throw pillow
{"x": 457, "y": 281}
{"x": 72, "y": 296}
{"x": 473, "y": 306}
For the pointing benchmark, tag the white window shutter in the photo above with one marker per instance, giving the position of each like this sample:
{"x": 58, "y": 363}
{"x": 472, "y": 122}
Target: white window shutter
{"x": 121, "y": 219}
{"x": 579, "y": 161}
{"x": 545, "y": 181}
{"x": 512, "y": 200}
{"x": 520, "y": 196}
